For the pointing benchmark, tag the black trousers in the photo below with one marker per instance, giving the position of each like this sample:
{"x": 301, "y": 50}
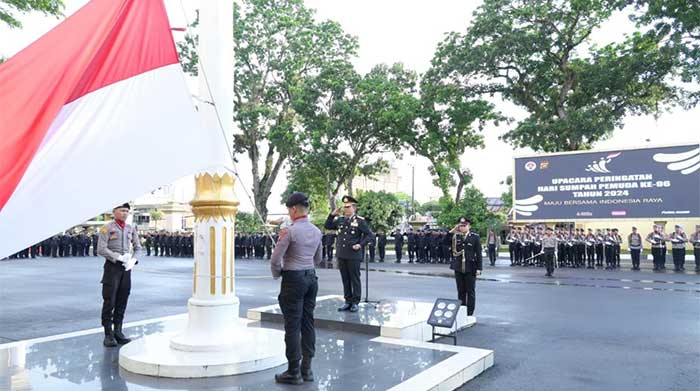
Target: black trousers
{"x": 549, "y": 260}
{"x": 589, "y": 255}
{"x": 511, "y": 251}
{"x": 609, "y": 256}
{"x": 678, "y": 258}
{"x": 411, "y": 251}
{"x": 635, "y": 254}
{"x": 466, "y": 290}
{"x": 696, "y": 252}
{"x": 371, "y": 253}
{"x": 116, "y": 286}
{"x": 297, "y": 301}
{"x": 350, "y": 275}
{"x": 659, "y": 256}
{"x": 399, "y": 252}
{"x": 329, "y": 253}
{"x": 492, "y": 254}
{"x": 382, "y": 253}
{"x": 599, "y": 254}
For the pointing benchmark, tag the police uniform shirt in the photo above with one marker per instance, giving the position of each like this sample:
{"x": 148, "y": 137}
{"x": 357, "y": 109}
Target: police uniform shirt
{"x": 466, "y": 251}
{"x": 114, "y": 241}
{"x": 351, "y": 231}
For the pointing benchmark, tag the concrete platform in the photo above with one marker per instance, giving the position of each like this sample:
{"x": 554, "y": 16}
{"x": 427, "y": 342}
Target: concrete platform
{"x": 344, "y": 361}
{"x": 401, "y": 319}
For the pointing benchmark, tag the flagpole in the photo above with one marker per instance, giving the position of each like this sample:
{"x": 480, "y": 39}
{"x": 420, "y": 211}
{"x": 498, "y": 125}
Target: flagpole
{"x": 216, "y": 341}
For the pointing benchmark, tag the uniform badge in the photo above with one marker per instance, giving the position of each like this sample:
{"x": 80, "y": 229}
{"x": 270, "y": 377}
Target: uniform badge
{"x": 104, "y": 229}
{"x": 354, "y": 224}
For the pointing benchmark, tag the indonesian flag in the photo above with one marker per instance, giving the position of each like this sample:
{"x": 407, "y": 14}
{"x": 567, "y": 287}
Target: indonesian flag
{"x": 93, "y": 114}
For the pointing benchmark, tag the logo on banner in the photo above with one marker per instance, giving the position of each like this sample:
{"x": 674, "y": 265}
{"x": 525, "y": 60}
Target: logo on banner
{"x": 530, "y": 166}
{"x": 601, "y": 166}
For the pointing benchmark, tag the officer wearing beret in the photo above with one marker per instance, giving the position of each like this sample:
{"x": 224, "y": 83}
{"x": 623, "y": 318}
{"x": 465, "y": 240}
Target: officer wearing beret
{"x": 466, "y": 262}
{"x": 353, "y": 235}
{"x": 117, "y": 243}
{"x": 297, "y": 252}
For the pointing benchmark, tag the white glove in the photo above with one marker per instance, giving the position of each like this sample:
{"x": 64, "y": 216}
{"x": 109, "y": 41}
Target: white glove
{"x": 130, "y": 264}
{"x": 123, "y": 258}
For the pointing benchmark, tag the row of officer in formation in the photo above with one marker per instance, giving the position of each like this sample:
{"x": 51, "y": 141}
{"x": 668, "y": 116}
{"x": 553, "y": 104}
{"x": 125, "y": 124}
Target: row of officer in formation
{"x": 168, "y": 244}
{"x": 62, "y": 245}
{"x": 579, "y": 248}
{"x": 254, "y": 245}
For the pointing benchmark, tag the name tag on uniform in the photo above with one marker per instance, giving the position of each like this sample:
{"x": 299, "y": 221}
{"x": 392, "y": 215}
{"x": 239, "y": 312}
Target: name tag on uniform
{"x": 353, "y": 224}
{"x": 112, "y": 235}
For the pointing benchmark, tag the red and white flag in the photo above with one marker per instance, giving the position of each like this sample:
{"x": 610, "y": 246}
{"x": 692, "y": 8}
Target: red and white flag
{"x": 94, "y": 113}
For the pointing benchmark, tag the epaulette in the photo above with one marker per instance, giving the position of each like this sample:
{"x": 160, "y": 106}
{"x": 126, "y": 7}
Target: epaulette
{"x": 104, "y": 229}
{"x": 359, "y": 217}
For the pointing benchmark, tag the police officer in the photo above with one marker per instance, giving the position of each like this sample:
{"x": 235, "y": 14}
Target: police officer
{"x": 678, "y": 241}
{"x": 512, "y": 239}
{"x": 115, "y": 243}
{"x": 411, "y": 238}
{"x": 372, "y": 247}
{"x": 549, "y": 245}
{"x": 466, "y": 262}
{"x": 492, "y": 243}
{"x": 398, "y": 245}
{"x": 298, "y": 250}
{"x": 634, "y": 242}
{"x": 695, "y": 238}
{"x": 658, "y": 250}
{"x": 381, "y": 245}
{"x": 353, "y": 235}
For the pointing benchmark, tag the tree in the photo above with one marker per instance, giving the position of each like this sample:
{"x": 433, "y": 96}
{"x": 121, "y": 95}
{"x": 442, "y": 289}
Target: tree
{"x": 278, "y": 45}
{"x": 507, "y": 196}
{"x": 156, "y": 216}
{"x": 532, "y": 53}
{"x": 381, "y": 210}
{"x": 313, "y": 185}
{"x": 405, "y": 202}
{"x": 248, "y": 222}
{"x": 676, "y": 25}
{"x": 451, "y": 124}
{"x": 351, "y": 120}
{"x": 471, "y": 205}
{"x": 47, "y": 7}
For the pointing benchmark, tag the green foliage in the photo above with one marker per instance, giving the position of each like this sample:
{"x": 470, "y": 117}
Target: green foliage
{"x": 675, "y": 24}
{"x": 9, "y": 7}
{"x": 351, "y": 120}
{"x": 473, "y": 206}
{"x": 507, "y": 196}
{"x": 278, "y": 46}
{"x": 531, "y": 53}
{"x": 381, "y": 209}
{"x": 300, "y": 179}
{"x": 248, "y": 222}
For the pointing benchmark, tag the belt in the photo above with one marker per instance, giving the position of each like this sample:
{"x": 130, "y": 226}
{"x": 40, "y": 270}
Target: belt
{"x": 305, "y": 272}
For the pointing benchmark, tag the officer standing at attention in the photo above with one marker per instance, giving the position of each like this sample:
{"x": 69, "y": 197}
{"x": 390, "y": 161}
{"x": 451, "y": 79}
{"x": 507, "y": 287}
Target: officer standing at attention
{"x": 398, "y": 245}
{"x": 634, "y": 243}
{"x": 381, "y": 245}
{"x": 678, "y": 241}
{"x": 466, "y": 262}
{"x": 549, "y": 245}
{"x": 117, "y": 242}
{"x": 353, "y": 234}
{"x": 297, "y": 252}
{"x": 695, "y": 238}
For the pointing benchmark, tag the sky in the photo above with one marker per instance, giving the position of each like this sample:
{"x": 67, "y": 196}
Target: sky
{"x": 408, "y": 31}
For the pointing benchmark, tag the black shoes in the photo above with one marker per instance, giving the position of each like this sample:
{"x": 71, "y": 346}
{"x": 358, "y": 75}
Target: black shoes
{"x": 354, "y": 308}
{"x": 109, "y": 341}
{"x": 345, "y": 307}
{"x": 289, "y": 377}
{"x": 306, "y": 373}
{"x": 119, "y": 336}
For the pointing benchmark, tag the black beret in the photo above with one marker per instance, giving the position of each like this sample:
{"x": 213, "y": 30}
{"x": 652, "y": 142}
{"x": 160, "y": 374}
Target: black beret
{"x": 347, "y": 199}
{"x": 124, "y": 205}
{"x": 549, "y": 228}
{"x": 297, "y": 198}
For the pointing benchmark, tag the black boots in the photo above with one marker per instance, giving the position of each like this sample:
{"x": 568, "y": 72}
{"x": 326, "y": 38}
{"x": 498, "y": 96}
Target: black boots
{"x": 119, "y": 336}
{"x": 291, "y": 376}
{"x": 109, "y": 341}
{"x": 306, "y": 373}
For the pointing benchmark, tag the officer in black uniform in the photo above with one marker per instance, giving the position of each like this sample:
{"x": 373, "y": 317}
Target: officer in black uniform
{"x": 353, "y": 234}
{"x": 411, "y": 238}
{"x": 398, "y": 245}
{"x": 381, "y": 245}
{"x": 466, "y": 262}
